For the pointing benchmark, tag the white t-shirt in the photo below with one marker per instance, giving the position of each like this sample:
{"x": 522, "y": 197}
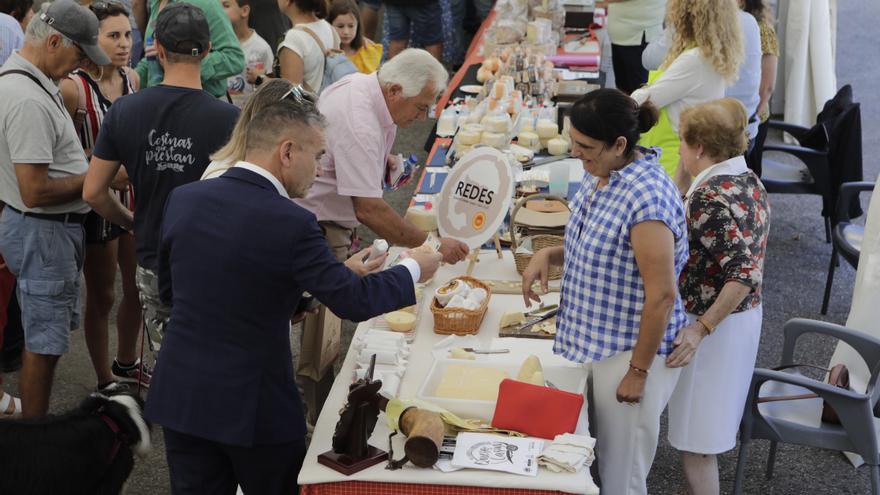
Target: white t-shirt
{"x": 257, "y": 54}
{"x": 628, "y": 20}
{"x": 689, "y": 80}
{"x": 302, "y": 43}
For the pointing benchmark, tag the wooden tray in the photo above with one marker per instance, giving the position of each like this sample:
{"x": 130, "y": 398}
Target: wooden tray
{"x": 513, "y": 331}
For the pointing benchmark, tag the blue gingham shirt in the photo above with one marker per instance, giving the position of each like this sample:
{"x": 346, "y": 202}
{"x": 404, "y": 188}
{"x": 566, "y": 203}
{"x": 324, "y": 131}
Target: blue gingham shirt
{"x": 602, "y": 291}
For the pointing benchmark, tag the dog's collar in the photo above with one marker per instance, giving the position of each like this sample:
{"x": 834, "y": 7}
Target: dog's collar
{"x": 117, "y": 441}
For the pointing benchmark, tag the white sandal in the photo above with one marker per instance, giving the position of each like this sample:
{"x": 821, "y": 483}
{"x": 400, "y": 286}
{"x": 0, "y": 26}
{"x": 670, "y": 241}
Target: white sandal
{"x": 5, "y": 401}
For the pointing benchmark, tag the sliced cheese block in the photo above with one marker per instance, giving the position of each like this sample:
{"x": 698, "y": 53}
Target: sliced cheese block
{"x": 400, "y": 321}
{"x": 460, "y": 381}
{"x": 529, "y": 367}
{"x": 512, "y": 318}
{"x": 459, "y": 353}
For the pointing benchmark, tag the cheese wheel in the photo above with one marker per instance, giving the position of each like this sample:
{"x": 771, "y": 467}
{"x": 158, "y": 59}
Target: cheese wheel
{"x": 557, "y": 146}
{"x": 469, "y": 138}
{"x": 497, "y": 124}
{"x": 473, "y": 127}
{"x": 400, "y": 321}
{"x": 425, "y": 220}
{"x": 547, "y": 129}
{"x": 529, "y": 140}
{"x": 494, "y": 139}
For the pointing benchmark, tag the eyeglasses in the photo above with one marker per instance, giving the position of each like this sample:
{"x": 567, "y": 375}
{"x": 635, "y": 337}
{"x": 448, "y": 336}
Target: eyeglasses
{"x": 299, "y": 95}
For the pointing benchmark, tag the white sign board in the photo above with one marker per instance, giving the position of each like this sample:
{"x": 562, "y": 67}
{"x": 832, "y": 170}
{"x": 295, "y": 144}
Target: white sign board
{"x": 475, "y": 197}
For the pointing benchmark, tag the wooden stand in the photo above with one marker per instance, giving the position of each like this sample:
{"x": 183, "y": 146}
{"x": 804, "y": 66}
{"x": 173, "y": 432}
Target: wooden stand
{"x": 348, "y": 466}
{"x": 476, "y": 253}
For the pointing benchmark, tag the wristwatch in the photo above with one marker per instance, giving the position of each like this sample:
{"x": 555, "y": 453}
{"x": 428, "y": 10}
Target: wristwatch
{"x": 258, "y": 80}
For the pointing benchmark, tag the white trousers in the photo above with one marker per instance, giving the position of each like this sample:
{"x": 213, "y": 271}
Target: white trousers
{"x": 626, "y": 435}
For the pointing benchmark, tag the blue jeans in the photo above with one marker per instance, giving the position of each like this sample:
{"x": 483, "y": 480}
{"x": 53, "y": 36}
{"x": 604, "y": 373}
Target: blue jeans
{"x": 46, "y": 257}
{"x": 422, "y": 22}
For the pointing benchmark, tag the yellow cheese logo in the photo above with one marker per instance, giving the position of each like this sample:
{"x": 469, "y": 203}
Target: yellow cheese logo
{"x": 479, "y": 221}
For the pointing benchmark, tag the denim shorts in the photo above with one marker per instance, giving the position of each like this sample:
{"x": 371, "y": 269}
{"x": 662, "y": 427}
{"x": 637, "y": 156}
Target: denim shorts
{"x": 422, "y": 22}
{"x": 46, "y": 258}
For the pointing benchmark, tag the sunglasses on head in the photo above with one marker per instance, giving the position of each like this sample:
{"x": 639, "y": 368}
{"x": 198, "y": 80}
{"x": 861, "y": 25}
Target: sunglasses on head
{"x": 299, "y": 95}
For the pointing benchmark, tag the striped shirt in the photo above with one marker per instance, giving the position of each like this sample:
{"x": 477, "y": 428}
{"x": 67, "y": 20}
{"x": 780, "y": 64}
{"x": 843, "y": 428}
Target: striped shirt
{"x": 603, "y": 294}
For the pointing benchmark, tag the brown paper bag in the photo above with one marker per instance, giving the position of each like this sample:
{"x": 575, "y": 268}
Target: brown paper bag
{"x": 321, "y": 343}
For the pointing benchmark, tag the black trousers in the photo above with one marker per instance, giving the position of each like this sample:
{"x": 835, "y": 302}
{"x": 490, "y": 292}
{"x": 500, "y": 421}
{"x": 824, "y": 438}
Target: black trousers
{"x": 629, "y": 73}
{"x": 201, "y": 467}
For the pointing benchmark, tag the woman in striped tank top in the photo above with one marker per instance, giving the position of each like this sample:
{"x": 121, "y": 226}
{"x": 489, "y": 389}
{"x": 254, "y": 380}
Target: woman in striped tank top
{"x": 88, "y": 93}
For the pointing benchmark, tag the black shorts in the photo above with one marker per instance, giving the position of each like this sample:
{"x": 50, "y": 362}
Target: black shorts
{"x": 99, "y": 231}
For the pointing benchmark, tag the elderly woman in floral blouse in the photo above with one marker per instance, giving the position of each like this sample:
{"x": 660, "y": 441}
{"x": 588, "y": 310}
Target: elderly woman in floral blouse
{"x": 728, "y": 221}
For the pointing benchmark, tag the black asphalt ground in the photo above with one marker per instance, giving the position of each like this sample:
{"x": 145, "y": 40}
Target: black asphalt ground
{"x": 795, "y": 271}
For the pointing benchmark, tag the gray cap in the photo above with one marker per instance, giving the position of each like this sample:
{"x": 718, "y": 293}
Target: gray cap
{"x": 77, "y": 23}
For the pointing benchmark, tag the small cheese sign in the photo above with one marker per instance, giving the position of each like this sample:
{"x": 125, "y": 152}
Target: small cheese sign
{"x": 475, "y": 197}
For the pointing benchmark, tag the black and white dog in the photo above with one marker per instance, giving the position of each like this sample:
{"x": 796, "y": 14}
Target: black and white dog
{"x": 86, "y": 451}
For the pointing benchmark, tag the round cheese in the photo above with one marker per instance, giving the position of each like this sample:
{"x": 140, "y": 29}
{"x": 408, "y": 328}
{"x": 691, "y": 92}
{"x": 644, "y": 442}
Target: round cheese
{"x": 400, "y": 321}
{"x": 425, "y": 220}
{"x": 557, "y": 146}
{"x": 528, "y": 139}
{"x": 494, "y": 139}
{"x": 547, "y": 129}
{"x": 497, "y": 124}
{"x": 468, "y": 138}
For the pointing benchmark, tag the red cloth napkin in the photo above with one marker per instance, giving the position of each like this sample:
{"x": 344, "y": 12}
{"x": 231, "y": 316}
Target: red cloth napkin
{"x": 536, "y": 411}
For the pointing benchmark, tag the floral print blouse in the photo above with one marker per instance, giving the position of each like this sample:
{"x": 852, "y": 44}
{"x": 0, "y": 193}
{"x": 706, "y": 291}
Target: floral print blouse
{"x": 728, "y": 222}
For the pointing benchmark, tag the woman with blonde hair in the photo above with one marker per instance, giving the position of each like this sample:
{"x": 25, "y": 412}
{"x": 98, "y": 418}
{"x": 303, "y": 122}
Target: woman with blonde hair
{"x": 728, "y": 220}
{"x": 269, "y": 93}
{"x": 704, "y": 58}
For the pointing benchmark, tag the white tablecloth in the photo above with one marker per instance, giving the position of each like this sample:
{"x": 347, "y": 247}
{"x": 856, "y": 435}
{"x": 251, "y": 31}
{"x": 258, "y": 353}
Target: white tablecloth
{"x": 489, "y": 267}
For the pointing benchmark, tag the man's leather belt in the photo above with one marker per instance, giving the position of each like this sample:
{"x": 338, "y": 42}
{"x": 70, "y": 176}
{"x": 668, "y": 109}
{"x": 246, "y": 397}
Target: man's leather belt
{"x": 79, "y": 218}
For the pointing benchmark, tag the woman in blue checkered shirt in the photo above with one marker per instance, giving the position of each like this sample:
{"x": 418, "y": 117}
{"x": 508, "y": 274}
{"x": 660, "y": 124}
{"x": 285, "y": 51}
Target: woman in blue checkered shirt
{"x": 625, "y": 245}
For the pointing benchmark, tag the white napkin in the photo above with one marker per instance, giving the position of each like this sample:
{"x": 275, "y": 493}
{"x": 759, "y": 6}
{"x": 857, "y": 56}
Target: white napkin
{"x": 568, "y": 453}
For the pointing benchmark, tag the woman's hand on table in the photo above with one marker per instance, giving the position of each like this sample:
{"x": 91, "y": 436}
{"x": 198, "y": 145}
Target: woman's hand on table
{"x": 357, "y": 264}
{"x": 686, "y": 343}
{"x": 538, "y": 269}
{"x": 632, "y": 387}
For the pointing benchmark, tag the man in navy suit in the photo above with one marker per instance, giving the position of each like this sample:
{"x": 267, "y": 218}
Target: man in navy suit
{"x": 235, "y": 255}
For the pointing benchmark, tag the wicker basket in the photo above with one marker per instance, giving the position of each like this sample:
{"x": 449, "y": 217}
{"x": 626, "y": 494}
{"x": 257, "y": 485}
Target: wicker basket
{"x": 538, "y": 241}
{"x": 460, "y": 321}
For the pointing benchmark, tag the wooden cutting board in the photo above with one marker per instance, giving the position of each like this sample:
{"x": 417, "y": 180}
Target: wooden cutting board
{"x": 513, "y": 331}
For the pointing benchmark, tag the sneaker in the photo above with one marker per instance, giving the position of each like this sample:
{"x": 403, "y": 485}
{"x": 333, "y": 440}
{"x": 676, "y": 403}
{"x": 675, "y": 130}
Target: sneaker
{"x": 139, "y": 372}
{"x": 112, "y": 388}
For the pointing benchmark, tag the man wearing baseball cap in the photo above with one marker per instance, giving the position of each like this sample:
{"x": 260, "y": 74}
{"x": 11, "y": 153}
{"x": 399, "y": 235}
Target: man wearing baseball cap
{"x": 169, "y": 144}
{"x": 42, "y": 168}
{"x": 226, "y": 58}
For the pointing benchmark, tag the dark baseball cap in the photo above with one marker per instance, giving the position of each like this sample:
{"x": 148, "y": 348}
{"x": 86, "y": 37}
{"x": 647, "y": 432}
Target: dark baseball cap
{"x": 182, "y": 28}
{"x": 77, "y": 23}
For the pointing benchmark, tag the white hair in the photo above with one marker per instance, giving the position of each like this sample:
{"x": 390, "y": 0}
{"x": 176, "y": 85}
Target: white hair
{"x": 38, "y": 30}
{"x": 413, "y": 69}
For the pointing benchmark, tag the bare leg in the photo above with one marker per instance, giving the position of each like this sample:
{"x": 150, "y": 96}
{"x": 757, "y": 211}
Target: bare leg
{"x": 436, "y": 51}
{"x": 100, "y": 275}
{"x": 129, "y": 316}
{"x": 369, "y": 21}
{"x": 701, "y": 473}
{"x": 37, "y": 372}
{"x": 395, "y": 47}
